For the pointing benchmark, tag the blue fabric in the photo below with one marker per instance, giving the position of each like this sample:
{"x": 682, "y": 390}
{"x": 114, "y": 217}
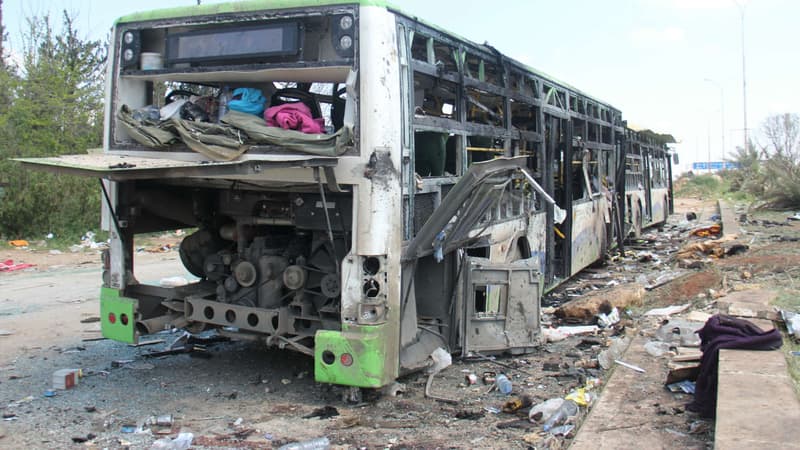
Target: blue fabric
{"x": 248, "y": 100}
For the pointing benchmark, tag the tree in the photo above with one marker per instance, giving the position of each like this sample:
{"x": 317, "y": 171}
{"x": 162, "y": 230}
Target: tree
{"x": 54, "y": 107}
{"x": 749, "y": 176}
{"x": 783, "y": 135}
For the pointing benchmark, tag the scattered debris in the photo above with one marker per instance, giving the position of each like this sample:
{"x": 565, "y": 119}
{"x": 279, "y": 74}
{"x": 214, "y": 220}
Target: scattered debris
{"x": 792, "y": 321}
{"x": 680, "y": 371}
{"x": 326, "y": 412}
{"x": 581, "y": 397}
{"x": 69, "y": 350}
{"x": 753, "y": 303}
{"x": 517, "y": 423}
{"x": 66, "y": 378}
{"x": 668, "y": 311}
{"x": 146, "y": 343}
{"x": 441, "y": 360}
{"x": 565, "y": 412}
{"x": 83, "y": 439}
{"x": 698, "y": 316}
{"x": 563, "y": 430}
{"x": 699, "y": 250}
{"x": 6, "y": 333}
{"x": 311, "y": 444}
{"x": 135, "y": 365}
{"x": 606, "y": 357}
{"x": 587, "y": 307}
{"x": 517, "y": 403}
{"x": 182, "y": 442}
{"x": 542, "y": 411}
{"x": 691, "y": 264}
{"x": 561, "y": 333}
{"x": 470, "y": 415}
{"x": 503, "y": 384}
{"x": 607, "y": 320}
{"x": 684, "y": 386}
{"x": 699, "y": 427}
{"x": 711, "y": 230}
{"x": 9, "y": 266}
{"x": 679, "y": 331}
{"x": 394, "y": 389}
{"x": 165, "y": 420}
{"x": 629, "y": 366}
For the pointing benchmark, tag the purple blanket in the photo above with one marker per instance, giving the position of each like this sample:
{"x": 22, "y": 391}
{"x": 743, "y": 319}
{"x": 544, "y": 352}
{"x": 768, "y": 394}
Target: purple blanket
{"x": 725, "y": 332}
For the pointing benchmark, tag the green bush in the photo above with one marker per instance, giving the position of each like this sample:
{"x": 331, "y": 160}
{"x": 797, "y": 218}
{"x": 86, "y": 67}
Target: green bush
{"x": 701, "y": 186}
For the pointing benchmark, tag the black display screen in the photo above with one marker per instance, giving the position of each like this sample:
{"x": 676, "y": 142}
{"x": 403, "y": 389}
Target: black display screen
{"x": 233, "y": 43}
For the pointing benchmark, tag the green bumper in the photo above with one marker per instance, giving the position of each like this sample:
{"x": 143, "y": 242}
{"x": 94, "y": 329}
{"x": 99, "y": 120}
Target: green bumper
{"x": 117, "y": 316}
{"x": 367, "y": 347}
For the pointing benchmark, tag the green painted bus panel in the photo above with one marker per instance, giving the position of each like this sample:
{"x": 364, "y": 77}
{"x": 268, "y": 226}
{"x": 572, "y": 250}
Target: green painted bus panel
{"x": 124, "y": 310}
{"x": 239, "y": 7}
{"x": 367, "y": 346}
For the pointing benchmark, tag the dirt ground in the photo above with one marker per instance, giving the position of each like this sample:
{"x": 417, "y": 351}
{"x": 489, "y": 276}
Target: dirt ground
{"x": 242, "y": 395}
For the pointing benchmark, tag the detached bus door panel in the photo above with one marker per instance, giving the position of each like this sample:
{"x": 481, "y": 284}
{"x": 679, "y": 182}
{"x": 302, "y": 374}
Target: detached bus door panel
{"x": 501, "y": 305}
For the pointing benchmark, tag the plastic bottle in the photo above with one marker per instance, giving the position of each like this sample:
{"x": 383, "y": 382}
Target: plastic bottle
{"x": 312, "y": 444}
{"x": 224, "y": 97}
{"x": 567, "y": 409}
{"x": 503, "y": 384}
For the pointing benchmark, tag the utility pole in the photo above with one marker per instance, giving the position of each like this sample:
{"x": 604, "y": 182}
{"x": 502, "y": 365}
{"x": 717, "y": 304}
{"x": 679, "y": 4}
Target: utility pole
{"x": 2, "y": 32}
{"x": 744, "y": 75}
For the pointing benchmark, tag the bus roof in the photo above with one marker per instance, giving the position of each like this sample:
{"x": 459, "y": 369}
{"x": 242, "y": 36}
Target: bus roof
{"x": 256, "y": 5}
{"x": 237, "y": 7}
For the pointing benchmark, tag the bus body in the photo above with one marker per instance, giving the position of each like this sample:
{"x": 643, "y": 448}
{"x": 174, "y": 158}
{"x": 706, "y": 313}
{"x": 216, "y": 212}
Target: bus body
{"x": 451, "y": 186}
{"x": 648, "y": 180}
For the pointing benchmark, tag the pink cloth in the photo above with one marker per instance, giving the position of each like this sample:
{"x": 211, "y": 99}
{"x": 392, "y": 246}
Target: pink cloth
{"x": 9, "y": 266}
{"x": 294, "y": 116}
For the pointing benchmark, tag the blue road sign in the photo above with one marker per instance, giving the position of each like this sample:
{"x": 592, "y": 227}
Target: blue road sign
{"x": 715, "y": 165}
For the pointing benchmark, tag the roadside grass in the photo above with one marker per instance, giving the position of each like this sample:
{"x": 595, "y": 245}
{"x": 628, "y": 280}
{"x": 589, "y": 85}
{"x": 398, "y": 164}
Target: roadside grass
{"x": 711, "y": 186}
{"x": 789, "y": 299}
{"x": 704, "y": 186}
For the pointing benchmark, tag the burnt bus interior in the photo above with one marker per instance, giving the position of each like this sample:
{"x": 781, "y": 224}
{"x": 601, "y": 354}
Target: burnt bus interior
{"x": 466, "y": 104}
{"x": 470, "y": 103}
{"x": 266, "y": 253}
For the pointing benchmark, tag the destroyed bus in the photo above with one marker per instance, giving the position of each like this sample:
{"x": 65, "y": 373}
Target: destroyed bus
{"x": 361, "y": 186}
{"x": 648, "y": 179}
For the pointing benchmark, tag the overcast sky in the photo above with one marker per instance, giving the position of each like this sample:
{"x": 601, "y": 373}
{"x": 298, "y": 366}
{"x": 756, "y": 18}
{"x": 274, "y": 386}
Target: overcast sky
{"x": 649, "y": 58}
